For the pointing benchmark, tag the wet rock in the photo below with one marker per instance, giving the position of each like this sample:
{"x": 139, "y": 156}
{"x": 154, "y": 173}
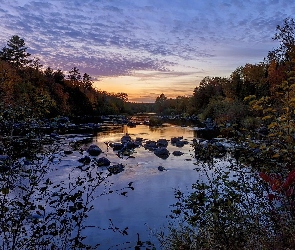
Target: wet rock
{"x": 116, "y": 169}
{"x": 177, "y": 153}
{"x": 174, "y": 140}
{"x": 85, "y": 160}
{"x": 94, "y": 150}
{"x": 160, "y": 168}
{"x": 131, "y": 145}
{"x": 150, "y": 145}
{"x": 116, "y": 146}
{"x": 139, "y": 139}
{"x": 179, "y": 144}
{"x": 162, "y": 143}
{"x": 103, "y": 161}
{"x": 126, "y": 138}
{"x": 162, "y": 152}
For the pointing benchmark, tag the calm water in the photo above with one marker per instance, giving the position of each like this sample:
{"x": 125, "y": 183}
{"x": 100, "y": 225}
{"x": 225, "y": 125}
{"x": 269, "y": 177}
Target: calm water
{"x": 146, "y": 207}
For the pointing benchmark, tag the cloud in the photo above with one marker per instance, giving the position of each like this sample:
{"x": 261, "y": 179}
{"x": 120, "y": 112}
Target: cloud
{"x": 114, "y": 38}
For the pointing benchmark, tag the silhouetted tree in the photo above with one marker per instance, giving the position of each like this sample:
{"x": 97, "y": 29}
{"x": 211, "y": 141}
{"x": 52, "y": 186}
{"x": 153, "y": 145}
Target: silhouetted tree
{"x": 15, "y": 52}
{"x": 160, "y": 103}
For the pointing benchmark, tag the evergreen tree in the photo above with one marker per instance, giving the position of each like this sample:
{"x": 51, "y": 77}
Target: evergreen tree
{"x": 15, "y": 52}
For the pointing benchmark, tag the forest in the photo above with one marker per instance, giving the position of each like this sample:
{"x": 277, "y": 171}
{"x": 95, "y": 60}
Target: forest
{"x": 254, "y": 107}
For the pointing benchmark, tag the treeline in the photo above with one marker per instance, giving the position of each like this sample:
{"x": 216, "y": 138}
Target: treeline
{"x": 36, "y": 92}
{"x": 231, "y": 99}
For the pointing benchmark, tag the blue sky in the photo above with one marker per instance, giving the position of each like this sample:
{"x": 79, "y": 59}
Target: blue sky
{"x": 146, "y": 47}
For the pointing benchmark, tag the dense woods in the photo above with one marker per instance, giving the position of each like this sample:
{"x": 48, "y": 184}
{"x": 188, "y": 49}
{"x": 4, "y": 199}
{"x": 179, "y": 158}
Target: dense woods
{"x": 48, "y": 93}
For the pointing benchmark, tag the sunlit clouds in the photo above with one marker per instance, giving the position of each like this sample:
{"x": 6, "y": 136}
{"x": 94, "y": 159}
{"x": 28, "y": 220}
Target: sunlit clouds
{"x": 145, "y": 47}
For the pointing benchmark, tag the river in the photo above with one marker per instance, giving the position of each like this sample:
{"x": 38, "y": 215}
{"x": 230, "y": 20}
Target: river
{"x": 145, "y": 208}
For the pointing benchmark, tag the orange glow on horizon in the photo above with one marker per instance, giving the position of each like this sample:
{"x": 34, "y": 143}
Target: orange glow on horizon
{"x": 146, "y": 89}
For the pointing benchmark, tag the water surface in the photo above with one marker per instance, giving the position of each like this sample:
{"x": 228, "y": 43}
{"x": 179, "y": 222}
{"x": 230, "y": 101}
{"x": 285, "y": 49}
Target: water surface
{"x": 147, "y": 207}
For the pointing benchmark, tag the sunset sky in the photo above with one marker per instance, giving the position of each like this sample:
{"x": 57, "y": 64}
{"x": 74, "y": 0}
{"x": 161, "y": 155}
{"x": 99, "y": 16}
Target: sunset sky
{"x": 145, "y": 47}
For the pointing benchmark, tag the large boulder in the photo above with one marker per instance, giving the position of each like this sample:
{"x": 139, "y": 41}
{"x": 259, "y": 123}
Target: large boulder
{"x": 94, "y": 150}
{"x": 162, "y": 143}
{"x": 103, "y": 161}
{"x": 126, "y": 138}
{"x": 116, "y": 169}
{"x": 162, "y": 152}
{"x": 85, "y": 160}
{"x": 150, "y": 145}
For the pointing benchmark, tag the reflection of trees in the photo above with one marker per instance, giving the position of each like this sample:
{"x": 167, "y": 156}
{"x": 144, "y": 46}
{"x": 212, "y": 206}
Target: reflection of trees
{"x": 37, "y": 212}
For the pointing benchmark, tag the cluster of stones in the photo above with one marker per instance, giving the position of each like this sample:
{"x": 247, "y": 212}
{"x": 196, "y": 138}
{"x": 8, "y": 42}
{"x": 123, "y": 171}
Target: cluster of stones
{"x": 94, "y": 150}
{"x": 159, "y": 147}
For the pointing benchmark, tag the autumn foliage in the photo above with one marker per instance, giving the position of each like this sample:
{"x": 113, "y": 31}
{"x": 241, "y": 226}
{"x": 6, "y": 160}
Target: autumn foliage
{"x": 25, "y": 84}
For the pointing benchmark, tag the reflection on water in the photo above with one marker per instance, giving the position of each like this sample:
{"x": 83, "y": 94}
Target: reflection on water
{"x": 150, "y": 133}
{"x": 148, "y": 205}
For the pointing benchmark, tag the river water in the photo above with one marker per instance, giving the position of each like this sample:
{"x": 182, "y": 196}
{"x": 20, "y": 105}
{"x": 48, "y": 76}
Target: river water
{"x": 145, "y": 209}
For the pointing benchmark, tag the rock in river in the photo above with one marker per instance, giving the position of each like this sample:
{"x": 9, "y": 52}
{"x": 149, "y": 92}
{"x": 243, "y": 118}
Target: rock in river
{"x": 86, "y": 160}
{"x": 103, "y": 162}
{"x": 177, "y": 153}
{"x": 116, "y": 169}
{"x": 160, "y": 168}
{"x": 162, "y": 152}
{"x": 162, "y": 143}
{"x": 94, "y": 150}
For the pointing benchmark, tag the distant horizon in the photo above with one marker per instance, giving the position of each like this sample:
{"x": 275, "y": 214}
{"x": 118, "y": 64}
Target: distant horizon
{"x": 145, "y": 48}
